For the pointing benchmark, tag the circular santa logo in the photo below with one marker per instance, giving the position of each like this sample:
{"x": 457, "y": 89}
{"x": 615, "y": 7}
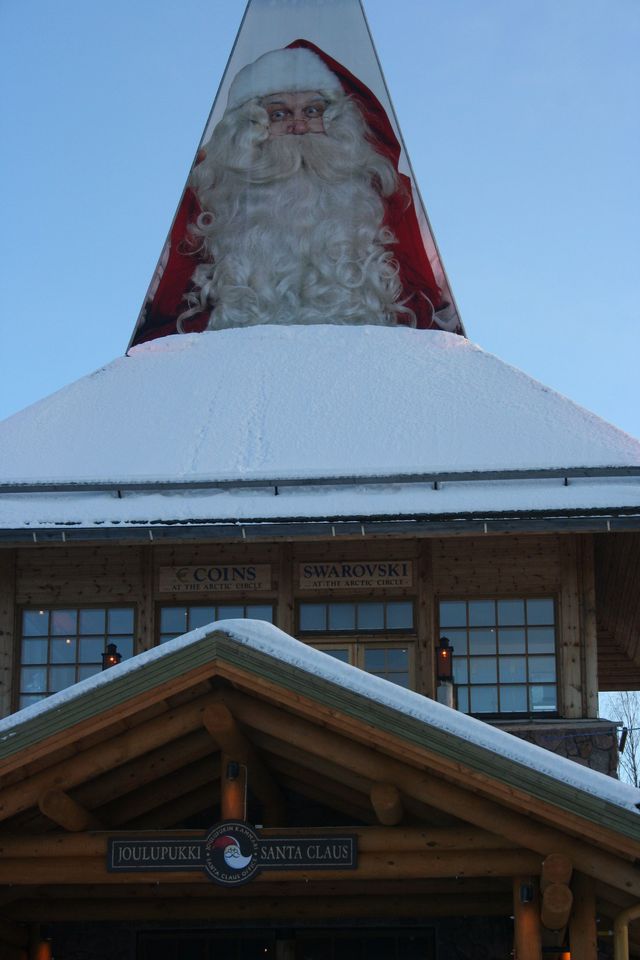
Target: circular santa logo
{"x": 231, "y": 853}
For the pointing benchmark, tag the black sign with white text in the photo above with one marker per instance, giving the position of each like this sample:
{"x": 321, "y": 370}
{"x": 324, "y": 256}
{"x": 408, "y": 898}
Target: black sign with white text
{"x": 231, "y": 853}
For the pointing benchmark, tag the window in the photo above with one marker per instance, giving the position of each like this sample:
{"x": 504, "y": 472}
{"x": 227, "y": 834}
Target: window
{"x": 174, "y": 621}
{"x": 375, "y": 635}
{"x": 504, "y": 654}
{"x": 59, "y": 647}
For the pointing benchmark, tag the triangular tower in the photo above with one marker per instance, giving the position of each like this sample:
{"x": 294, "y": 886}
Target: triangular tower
{"x": 301, "y": 205}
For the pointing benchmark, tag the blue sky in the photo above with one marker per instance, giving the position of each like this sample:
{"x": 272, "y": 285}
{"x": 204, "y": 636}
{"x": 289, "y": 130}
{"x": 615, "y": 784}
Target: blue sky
{"x": 520, "y": 118}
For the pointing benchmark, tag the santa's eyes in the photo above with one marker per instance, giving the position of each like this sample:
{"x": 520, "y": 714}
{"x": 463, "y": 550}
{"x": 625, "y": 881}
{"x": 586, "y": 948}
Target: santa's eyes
{"x": 310, "y": 112}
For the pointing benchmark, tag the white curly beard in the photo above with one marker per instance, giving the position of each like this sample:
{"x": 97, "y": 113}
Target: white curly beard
{"x": 292, "y": 229}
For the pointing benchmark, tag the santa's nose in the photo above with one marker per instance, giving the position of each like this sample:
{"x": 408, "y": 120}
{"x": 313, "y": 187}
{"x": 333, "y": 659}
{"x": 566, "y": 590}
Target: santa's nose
{"x": 298, "y": 125}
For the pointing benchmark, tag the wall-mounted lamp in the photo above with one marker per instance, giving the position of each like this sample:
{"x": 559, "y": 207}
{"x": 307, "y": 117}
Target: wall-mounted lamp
{"x": 445, "y": 661}
{"x": 526, "y": 893}
{"x": 111, "y": 657}
{"x": 233, "y": 770}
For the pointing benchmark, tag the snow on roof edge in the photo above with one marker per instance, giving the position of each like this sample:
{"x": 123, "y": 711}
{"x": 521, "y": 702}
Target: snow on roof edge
{"x": 270, "y": 640}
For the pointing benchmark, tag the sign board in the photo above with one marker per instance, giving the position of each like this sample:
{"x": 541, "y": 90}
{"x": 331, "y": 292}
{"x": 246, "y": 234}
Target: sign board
{"x": 231, "y": 853}
{"x": 356, "y": 574}
{"x": 216, "y": 578}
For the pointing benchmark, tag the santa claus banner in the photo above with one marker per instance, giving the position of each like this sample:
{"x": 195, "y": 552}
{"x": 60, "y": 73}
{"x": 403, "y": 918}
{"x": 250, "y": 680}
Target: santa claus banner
{"x": 300, "y": 207}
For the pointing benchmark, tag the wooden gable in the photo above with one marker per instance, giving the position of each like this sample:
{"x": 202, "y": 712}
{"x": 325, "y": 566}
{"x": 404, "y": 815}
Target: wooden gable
{"x": 443, "y": 823}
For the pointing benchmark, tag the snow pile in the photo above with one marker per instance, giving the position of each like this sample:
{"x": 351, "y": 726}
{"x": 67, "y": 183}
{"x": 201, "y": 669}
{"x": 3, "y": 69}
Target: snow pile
{"x": 275, "y": 402}
{"x": 268, "y": 639}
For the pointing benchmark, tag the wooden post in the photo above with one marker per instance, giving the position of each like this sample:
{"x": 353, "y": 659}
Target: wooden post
{"x": 7, "y": 627}
{"x": 425, "y": 621}
{"x": 527, "y": 940}
{"x": 146, "y": 607}
{"x": 62, "y": 809}
{"x": 233, "y": 785}
{"x": 284, "y": 609}
{"x": 589, "y": 627}
{"x": 570, "y": 678}
{"x": 583, "y": 937}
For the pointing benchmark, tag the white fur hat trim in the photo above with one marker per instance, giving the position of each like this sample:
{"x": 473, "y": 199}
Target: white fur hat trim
{"x": 282, "y": 71}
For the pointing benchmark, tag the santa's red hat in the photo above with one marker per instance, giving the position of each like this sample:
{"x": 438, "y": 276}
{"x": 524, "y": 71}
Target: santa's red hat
{"x": 279, "y": 71}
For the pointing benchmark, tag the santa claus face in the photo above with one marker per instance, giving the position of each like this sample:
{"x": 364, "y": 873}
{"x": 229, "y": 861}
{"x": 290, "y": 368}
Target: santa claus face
{"x": 295, "y": 113}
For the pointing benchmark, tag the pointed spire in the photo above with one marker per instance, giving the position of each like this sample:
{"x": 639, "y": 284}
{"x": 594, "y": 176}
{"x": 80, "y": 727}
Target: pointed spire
{"x": 301, "y": 206}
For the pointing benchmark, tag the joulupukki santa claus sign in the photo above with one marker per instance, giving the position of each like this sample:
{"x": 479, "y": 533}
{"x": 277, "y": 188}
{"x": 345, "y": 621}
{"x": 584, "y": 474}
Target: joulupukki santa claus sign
{"x": 296, "y": 210}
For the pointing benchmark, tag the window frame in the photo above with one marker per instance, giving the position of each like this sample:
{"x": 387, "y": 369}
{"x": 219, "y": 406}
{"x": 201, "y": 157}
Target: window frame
{"x": 356, "y": 641}
{"x": 226, "y": 602}
{"x": 22, "y": 608}
{"x": 528, "y": 714}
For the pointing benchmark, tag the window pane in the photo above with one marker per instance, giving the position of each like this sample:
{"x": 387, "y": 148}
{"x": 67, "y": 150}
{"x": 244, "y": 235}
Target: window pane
{"x": 540, "y": 611}
{"x": 33, "y": 679}
{"x": 462, "y": 694}
{"x": 542, "y": 640}
{"x": 542, "y": 669}
{"x": 371, "y": 616}
{"x": 26, "y": 699}
{"x": 120, "y": 620}
{"x": 88, "y": 670}
{"x": 165, "y": 637}
{"x": 513, "y": 699}
{"x": 453, "y": 613}
{"x": 460, "y": 671}
{"x": 91, "y": 649}
{"x": 260, "y": 612}
{"x": 511, "y": 612}
{"x": 399, "y": 616}
{"x": 482, "y": 641}
{"x": 457, "y": 640}
{"x": 201, "y": 616}
{"x": 374, "y": 659}
{"x": 401, "y": 679}
{"x": 125, "y": 646}
{"x": 63, "y": 621}
{"x": 543, "y": 697}
{"x": 397, "y": 658}
{"x": 228, "y": 612}
{"x": 513, "y": 670}
{"x": 511, "y": 640}
{"x": 35, "y": 623}
{"x": 61, "y": 677}
{"x": 482, "y": 613}
{"x": 313, "y": 616}
{"x": 173, "y": 620}
{"x": 342, "y": 655}
{"x": 342, "y": 616}
{"x": 483, "y": 669}
{"x": 484, "y": 699}
{"x": 63, "y": 651}
{"x": 34, "y": 651}
{"x": 92, "y": 621}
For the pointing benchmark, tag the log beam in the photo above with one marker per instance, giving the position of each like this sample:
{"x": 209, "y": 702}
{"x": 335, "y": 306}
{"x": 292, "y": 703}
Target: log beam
{"x": 371, "y": 866}
{"x": 222, "y": 727}
{"x": 557, "y": 901}
{"x": 583, "y": 937}
{"x": 527, "y": 940}
{"x": 387, "y": 803}
{"x": 435, "y": 791}
{"x": 556, "y": 868}
{"x": 58, "y": 846}
{"x": 62, "y": 809}
{"x": 233, "y": 788}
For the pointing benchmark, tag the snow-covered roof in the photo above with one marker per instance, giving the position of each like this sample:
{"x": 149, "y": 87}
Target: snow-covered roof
{"x": 371, "y": 415}
{"x": 264, "y": 640}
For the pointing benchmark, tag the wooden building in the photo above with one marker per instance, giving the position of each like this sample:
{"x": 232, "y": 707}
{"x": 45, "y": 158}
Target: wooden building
{"x": 394, "y": 499}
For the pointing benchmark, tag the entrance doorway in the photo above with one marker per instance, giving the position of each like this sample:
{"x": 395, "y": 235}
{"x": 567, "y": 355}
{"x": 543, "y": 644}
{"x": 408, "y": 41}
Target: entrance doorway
{"x": 304, "y": 944}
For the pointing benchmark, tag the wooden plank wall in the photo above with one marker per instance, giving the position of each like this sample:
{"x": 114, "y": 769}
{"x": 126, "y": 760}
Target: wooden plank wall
{"x": 463, "y": 567}
{"x": 617, "y": 580}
